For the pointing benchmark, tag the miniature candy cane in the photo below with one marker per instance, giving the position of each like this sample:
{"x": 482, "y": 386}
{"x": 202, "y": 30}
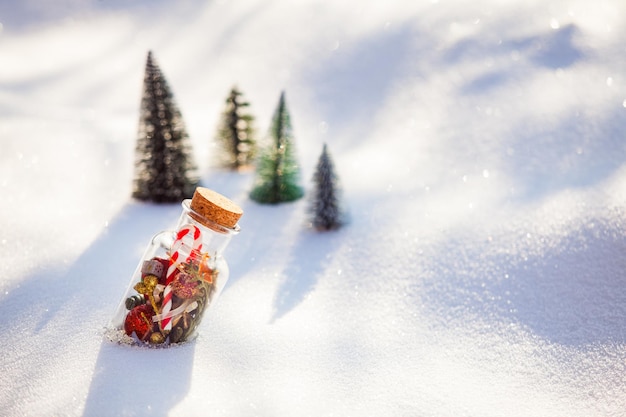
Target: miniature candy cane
{"x": 186, "y": 306}
{"x": 184, "y": 233}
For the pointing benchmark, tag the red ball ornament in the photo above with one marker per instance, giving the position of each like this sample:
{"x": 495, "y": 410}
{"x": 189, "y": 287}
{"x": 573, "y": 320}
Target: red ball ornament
{"x": 139, "y": 321}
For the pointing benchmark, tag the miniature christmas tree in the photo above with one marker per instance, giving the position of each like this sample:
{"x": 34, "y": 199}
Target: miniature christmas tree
{"x": 325, "y": 208}
{"x": 278, "y": 173}
{"x": 236, "y": 134}
{"x": 164, "y": 169}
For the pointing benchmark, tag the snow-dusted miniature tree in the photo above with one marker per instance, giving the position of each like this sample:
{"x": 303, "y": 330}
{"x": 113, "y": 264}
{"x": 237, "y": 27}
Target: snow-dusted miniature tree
{"x": 325, "y": 207}
{"x": 235, "y": 134}
{"x": 277, "y": 171}
{"x": 164, "y": 168}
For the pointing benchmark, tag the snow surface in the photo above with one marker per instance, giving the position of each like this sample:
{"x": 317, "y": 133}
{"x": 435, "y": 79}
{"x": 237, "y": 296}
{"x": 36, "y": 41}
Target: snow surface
{"x": 481, "y": 149}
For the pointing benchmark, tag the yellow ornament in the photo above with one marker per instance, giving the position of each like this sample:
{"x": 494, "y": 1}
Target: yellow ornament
{"x": 157, "y": 338}
{"x": 147, "y": 287}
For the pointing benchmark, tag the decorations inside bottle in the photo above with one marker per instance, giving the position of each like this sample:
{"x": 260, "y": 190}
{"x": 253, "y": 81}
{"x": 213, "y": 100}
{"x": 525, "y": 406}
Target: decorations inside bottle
{"x": 179, "y": 276}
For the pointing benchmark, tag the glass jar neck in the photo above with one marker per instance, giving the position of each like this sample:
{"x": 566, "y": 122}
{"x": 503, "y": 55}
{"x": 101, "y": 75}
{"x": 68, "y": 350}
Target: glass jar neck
{"x": 215, "y": 237}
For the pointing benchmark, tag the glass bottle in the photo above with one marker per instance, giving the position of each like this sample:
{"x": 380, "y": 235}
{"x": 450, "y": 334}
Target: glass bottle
{"x": 180, "y": 274}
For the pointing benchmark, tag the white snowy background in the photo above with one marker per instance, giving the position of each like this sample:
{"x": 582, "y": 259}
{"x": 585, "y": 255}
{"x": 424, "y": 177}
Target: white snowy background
{"x": 481, "y": 146}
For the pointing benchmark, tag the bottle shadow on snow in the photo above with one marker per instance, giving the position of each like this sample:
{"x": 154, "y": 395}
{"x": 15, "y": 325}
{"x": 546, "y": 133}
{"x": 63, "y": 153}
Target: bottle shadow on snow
{"x": 76, "y": 305}
{"x": 135, "y": 380}
{"x": 139, "y": 381}
{"x": 97, "y": 279}
{"x": 129, "y": 380}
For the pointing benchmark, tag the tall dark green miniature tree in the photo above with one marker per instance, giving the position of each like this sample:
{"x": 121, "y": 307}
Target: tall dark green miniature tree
{"x": 278, "y": 173}
{"x": 235, "y": 134}
{"x": 325, "y": 208}
{"x": 164, "y": 168}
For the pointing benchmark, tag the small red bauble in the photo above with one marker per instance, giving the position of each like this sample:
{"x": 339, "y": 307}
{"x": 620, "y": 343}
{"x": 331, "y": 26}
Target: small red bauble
{"x": 139, "y": 321}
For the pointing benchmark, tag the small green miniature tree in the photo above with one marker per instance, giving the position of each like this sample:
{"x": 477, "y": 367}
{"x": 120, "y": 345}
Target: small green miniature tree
{"x": 278, "y": 173}
{"x": 164, "y": 169}
{"x": 235, "y": 134}
{"x": 325, "y": 208}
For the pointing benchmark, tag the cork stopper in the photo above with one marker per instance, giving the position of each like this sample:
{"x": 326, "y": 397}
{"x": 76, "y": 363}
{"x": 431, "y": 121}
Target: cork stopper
{"x": 215, "y": 207}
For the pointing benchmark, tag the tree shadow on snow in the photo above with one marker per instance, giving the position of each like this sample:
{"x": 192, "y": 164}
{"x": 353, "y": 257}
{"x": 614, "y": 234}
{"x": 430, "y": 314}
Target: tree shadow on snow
{"x": 573, "y": 293}
{"x": 542, "y": 155}
{"x": 580, "y": 150}
{"x": 352, "y": 84}
{"x": 258, "y": 245}
{"x": 308, "y": 260}
{"x": 553, "y": 50}
{"x": 25, "y": 16}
